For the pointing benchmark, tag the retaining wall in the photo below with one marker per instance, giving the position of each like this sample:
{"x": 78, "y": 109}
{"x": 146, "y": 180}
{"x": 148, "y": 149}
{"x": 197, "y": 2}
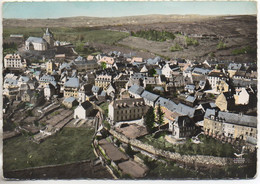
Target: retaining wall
{"x": 189, "y": 159}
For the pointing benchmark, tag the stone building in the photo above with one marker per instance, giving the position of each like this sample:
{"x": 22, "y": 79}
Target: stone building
{"x": 14, "y": 61}
{"x": 40, "y": 44}
{"x": 225, "y": 101}
{"x": 182, "y": 127}
{"x": 71, "y": 87}
{"x": 215, "y": 77}
{"x": 103, "y": 81}
{"x": 83, "y": 110}
{"x": 224, "y": 124}
{"x": 127, "y": 109}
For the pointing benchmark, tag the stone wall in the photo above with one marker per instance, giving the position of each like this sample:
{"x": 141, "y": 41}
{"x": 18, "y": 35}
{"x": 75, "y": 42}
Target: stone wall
{"x": 189, "y": 159}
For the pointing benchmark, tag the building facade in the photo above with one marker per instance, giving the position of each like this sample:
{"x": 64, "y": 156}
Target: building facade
{"x": 127, "y": 109}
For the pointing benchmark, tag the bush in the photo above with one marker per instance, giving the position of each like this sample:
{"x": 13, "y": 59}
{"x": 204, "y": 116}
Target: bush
{"x": 176, "y": 47}
{"x": 221, "y": 45}
{"x": 245, "y": 50}
{"x": 154, "y": 35}
{"x": 191, "y": 41}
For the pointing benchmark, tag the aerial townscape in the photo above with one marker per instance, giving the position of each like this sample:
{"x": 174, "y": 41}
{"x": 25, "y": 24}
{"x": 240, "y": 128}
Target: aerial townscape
{"x": 79, "y": 110}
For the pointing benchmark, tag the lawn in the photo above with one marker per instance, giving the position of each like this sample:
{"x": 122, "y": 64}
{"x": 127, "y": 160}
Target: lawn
{"x": 68, "y": 145}
{"x": 72, "y": 35}
{"x": 167, "y": 170}
{"x": 209, "y": 146}
{"x": 104, "y": 107}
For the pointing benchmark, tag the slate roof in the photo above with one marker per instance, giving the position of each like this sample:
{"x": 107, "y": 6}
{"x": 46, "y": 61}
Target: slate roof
{"x": 95, "y": 89}
{"x": 217, "y": 74}
{"x": 65, "y": 65}
{"x": 103, "y": 93}
{"x": 190, "y": 99}
{"x": 129, "y": 102}
{"x": 136, "y": 89}
{"x": 185, "y": 110}
{"x": 201, "y": 71}
{"x": 69, "y": 99}
{"x": 72, "y": 82}
{"x": 153, "y": 61}
{"x": 184, "y": 121}
{"x": 244, "y": 83}
{"x": 158, "y": 88}
{"x": 36, "y": 40}
{"x": 234, "y": 66}
{"x": 86, "y": 105}
{"x": 37, "y": 73}
{"x": 24, "y": 79}
{"x": 47, "y": 78}
{"x": 170, "y": 105}
{"x": 190, "y": 87}
{"x": 149, "y": 96}
{"x": 158, "y": 71}
{"x": 227, "y": 117}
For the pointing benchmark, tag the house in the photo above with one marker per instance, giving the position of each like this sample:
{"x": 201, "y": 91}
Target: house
{"x": 70, "y": 102}
{"x": 95, "y": 90}
{"x": 242, "y": 96}
{"x": 168, "y": 70}
{"x": 46, "y": 79}
{"x": 120, "y": 81}
{"x": 71, "y": 87}
{"x": 14, "y": 61}
{"x": 83, "y": 65}
{"x": 168, "y": 104}
{"x": 154, "y": 61}
{"x": 222, "y": 86}
{"x": 108, "y": 60}
{"x": 190, "y": 88}
{"x": 230, "y": 125}
{"x": 200, "y": 71}
{"x": 49, "y": 66}
{"x": 191, "y": 101}
{"x": 144, "y": 69}
{"x": 11, "y": 88}
{"x": 103, "y": 81}
{"x": 233, "y": 68}
{"x": 33, "y": 97}
{"x": 225, "y": 101}
{"x": 149, "y": 98}
{"x": 215, "y": 77}
{"x": 83, "y": 110}
{"x": 49, "y": 91}
{"x": 127, "y": 109}
{"x": 182, "y": 127}
{"x": 137, "y": 59}
{"x": 168, "y": 107}
{"x": 111, "y": 91}
{"x": 136, "y": 91}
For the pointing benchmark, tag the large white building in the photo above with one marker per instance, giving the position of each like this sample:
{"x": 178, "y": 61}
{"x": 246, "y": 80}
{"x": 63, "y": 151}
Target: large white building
{"x": 14, "y": 61}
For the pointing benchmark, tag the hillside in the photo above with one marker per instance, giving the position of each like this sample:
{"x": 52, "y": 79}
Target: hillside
{"x": 237, "y": 33}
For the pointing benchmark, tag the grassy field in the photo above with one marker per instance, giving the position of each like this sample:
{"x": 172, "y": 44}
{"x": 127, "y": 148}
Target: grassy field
{"x": 73, "y": 35}
{"x": 68, "y": 145}
{"x": 209, "y": 146}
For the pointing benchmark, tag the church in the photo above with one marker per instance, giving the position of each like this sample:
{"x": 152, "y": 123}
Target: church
{"x": 40, "y": 44}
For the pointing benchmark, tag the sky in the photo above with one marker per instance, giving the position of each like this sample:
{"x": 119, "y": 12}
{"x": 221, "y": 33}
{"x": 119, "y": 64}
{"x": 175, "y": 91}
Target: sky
{"x": 117, "y": 9}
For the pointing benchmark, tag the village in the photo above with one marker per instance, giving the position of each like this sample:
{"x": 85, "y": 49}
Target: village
{"x": 141, "y": 110}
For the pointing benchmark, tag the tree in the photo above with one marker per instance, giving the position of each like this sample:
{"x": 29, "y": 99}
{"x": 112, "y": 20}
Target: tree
{"x": 152, "y": 72}
{"x": 103, "y": 65}
{"x": 160, "y": 115}
{"x": 149, "y": 120}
